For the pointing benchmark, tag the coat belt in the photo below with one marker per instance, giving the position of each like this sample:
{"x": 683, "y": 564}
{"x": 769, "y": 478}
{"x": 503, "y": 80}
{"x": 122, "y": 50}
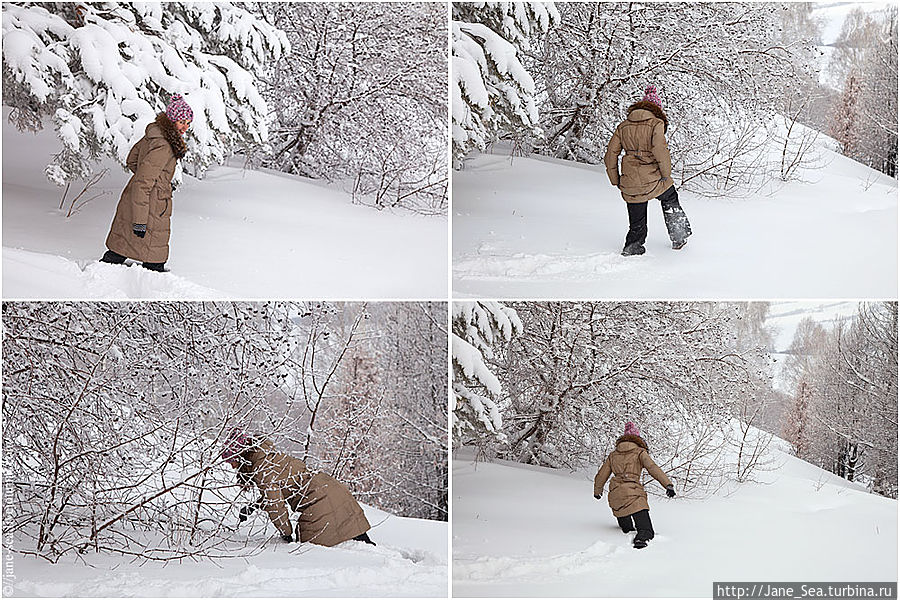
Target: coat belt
{"x": 638, "y": 152}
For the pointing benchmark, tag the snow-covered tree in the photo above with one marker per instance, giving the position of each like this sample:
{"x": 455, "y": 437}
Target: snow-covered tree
{"x": 100, "y": 72}
{"x": 843, "y": 126}
{"x": 362, "y": 99}
{"x": 800, "y": 372}
{"x": 491, "y": 92}
{"x": 721, "y": 70}
{"x": 844, "y": 417}
{"x": 379, "y": 403}
{"x": 580, "y": 370}
{"x": 477, "y": 330}
{"x": 864, "y": 116}
{"x": 411, "y": 353}
{"x": 797, "y": 424}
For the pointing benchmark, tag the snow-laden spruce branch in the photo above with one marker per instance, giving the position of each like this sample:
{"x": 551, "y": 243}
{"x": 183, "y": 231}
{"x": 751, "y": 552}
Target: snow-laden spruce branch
{"x": 101, "y": 72}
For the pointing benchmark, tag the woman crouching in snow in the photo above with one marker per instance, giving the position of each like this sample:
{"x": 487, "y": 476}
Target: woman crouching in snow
{"x": 141, "y": 227}
{"x": 329, "y": 514}
{"x": 627, "y": 497}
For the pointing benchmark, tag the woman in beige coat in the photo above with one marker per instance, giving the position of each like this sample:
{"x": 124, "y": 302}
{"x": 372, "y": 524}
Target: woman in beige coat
{"x": 140, "y": 230}
{"x": 329, "y": 514}
{"x": 627, "y": 497}
{"x": 646, "y": 172}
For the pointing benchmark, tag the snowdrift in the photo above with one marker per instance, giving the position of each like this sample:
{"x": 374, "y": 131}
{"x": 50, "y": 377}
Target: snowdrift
{"x": 410, "y": 560}
{"x": 236, "y": 233}
{"x": 544, "y": 228}
{"x": 520, "y": 530}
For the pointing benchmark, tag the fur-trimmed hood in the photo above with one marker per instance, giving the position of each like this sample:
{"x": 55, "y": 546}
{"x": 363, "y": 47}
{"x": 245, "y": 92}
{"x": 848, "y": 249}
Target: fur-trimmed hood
{"x": 634, "y": 439}
{"x": 651, "y": 108}
{"x": 163, "y": 127}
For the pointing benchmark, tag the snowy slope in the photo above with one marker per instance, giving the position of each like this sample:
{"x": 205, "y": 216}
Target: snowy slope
{"x": 528, "y": 531}
{"x": 410, "y": 560}
{"x": 543, "y": 228}
{"x": 236, "y": 233}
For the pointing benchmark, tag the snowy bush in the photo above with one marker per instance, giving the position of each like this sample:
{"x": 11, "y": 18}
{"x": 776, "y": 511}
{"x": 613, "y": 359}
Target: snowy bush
{"x": 491, "y": 91}
{"x": 363, "y": 99}
{"x": 115, "y": 416}
{"x": 102, "y": 71}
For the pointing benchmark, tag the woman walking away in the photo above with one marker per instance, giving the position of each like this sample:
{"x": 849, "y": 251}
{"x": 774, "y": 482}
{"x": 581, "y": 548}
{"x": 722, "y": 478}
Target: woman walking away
{"x": 646, "y": 172}
{"x": 627, "y": 497}
{"x": 329, "y": 514}
{"x": 140, "y": 229}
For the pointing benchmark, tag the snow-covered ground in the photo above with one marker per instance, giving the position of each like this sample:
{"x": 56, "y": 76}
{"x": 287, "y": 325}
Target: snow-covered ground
{"x": 410, "y": 560}
{"x": 543, "y": 228}
{"x": 527, "y": 531}
{"x": 237, "y": 233}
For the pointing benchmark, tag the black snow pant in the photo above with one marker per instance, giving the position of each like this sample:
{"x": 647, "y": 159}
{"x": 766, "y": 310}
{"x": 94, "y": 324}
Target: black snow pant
{"x": 676, "y": 221}
{"x": 640, "y": 521}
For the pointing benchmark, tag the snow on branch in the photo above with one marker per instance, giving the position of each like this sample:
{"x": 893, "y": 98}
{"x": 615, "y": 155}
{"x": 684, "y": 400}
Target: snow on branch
{"x": 101, "y": 72}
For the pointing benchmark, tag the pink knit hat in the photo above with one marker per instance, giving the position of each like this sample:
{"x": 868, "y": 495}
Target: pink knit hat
{"x": 650, "y": 95}
{"x": 236, "y": 443}
{"x": 178, "y": 109}
{"x": 631, "y": 429}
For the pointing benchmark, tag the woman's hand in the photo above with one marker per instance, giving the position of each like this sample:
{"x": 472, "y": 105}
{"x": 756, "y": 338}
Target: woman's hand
{"x": 670, "y": 491}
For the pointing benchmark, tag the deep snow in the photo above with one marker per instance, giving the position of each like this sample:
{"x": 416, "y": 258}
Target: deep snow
{"x": 544, "y": 228}
{"x": 410, "y": 560}
{"x": 237, "y": 233}
{"x": 527, "y": 531}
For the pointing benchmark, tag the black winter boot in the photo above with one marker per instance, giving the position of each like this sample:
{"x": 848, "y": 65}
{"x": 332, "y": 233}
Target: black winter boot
{"x": 158, "y": 267}
{"x": 113, "y": 258}
{"x": 644, "y": 527}
{"x": 634, "y": 249}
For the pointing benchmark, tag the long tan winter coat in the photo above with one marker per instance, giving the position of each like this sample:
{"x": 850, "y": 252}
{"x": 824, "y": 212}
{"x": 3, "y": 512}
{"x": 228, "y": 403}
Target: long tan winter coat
{"x": 626, "y": 494}
{"x": 647, "y": 165}
{"x": 147, "y": 198}
{"x": 329, "y": 514}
